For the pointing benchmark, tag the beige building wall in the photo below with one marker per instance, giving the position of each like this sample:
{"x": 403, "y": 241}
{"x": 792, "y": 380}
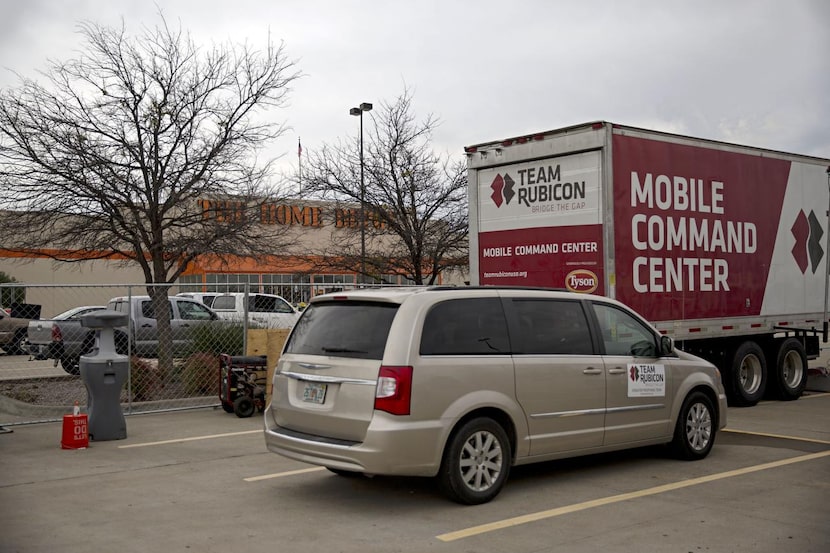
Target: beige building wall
{"x": 58, "y": 286}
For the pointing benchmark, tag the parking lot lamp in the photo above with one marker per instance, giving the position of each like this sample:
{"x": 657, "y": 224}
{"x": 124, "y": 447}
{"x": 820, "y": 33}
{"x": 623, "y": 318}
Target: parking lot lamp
{"x": 358, "y": 111}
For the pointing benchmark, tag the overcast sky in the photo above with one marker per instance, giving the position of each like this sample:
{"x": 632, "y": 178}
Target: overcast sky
{"x": 755, "y": 72}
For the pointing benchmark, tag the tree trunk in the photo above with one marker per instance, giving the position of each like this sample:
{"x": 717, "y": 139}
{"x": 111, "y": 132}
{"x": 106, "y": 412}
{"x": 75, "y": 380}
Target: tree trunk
{"x": 161, "y": 310}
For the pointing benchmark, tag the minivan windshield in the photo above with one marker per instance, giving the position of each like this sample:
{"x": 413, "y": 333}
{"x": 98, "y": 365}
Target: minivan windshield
{"x": 343, "y": 329}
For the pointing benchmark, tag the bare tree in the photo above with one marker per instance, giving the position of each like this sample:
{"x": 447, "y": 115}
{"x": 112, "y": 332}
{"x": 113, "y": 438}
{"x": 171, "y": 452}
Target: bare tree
{"x": 415, "y": 201}
{"x": 143, "y": 147}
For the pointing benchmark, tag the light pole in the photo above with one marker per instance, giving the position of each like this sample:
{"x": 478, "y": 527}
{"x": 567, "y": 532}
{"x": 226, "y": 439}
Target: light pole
{"x": 365, "y": 106}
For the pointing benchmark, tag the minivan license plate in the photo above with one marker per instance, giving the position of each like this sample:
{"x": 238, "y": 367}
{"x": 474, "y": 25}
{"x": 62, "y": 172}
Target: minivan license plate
{"x": 314, "y": 392}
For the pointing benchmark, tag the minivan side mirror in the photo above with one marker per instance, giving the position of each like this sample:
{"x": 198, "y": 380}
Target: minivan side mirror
{"x": 666, "y": 346}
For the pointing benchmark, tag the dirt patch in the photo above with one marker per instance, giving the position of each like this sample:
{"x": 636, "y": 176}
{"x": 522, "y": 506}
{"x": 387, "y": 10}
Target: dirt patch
{"x": 46, "y": 391}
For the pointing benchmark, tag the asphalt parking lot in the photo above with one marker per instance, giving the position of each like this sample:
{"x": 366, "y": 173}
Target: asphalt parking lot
{"x": 203, "y": 481}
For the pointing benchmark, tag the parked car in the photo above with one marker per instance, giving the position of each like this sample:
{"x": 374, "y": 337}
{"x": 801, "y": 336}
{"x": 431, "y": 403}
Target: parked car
{"x": 185, "y": 314}
{"x": 463, "y": 383}
{"x": 204, "y": 297}
{"x": 14, "y": 323}
{"x": 264, "y": 310}
{"x": 71, "y": 339}
{"x": 39, "y": 334}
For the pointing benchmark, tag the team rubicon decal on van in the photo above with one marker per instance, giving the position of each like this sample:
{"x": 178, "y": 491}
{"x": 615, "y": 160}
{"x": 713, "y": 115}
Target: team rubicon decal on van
{"x": 582, "y": 280}
{"x": 646, "y": 380}
{"x": 807, "y": 249}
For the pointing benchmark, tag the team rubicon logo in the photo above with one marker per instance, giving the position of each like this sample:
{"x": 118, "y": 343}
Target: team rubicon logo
{"x": 502, "y": 189}
{"x": 634, "y": 373}
{"x": 807, "y": 250}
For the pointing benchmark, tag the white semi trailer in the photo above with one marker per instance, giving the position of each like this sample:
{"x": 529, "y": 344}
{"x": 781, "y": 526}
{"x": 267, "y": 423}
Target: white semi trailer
{"x": 723, "y": 247}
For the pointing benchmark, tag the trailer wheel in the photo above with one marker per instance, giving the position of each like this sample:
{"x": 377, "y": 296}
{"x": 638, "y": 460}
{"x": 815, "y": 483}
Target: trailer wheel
{"x": 244, "y": 407}
{"x": 790, "y": 371}
{"x": 747, "y": 378}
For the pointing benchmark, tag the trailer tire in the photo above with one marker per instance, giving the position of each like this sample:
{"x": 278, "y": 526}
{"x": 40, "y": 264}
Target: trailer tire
{"x": 747, "y": 379}
{"x": 789, "y": 375}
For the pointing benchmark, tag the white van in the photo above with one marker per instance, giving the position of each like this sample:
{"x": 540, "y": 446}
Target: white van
{"x": 264, "y": 310}
{"x": 205, "y": 298}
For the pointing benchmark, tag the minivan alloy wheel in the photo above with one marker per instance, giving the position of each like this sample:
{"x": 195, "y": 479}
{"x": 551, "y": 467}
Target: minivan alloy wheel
{"x": 698, "y": 427}
{"x": 481, "y": 461}
{"x": 477, "y": 462}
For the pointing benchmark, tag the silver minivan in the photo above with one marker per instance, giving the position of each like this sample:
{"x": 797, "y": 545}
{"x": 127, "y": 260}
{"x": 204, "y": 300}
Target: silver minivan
{"x": 463, "y": 383}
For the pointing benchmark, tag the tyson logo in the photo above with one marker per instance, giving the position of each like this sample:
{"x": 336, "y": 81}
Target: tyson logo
{"x": 582, "y": 280}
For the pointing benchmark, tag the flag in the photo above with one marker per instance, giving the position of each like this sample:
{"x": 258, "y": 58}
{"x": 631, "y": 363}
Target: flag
{"x": 299, "y": 148}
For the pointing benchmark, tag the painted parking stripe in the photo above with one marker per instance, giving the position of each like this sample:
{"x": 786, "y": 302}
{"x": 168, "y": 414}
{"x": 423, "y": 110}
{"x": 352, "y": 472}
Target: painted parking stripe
{"x": 779, "y": 436}
{"x": 282, "y": 474}
{"x": 541, "y": 515}
{"x": 191, "y": 439}
{"x": 225, "y": 435}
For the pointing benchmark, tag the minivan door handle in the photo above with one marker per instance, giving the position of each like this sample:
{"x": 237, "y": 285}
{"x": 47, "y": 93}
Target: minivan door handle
{"x": 618, "y": 370}
{"x": 592, "y": 371}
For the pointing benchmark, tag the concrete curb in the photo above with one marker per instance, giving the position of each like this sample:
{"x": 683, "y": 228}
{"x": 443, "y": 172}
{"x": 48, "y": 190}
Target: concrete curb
{"x": 27, "y": 412}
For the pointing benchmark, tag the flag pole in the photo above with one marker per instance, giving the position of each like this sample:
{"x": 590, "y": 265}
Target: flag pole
{"x": 300, "y": 164}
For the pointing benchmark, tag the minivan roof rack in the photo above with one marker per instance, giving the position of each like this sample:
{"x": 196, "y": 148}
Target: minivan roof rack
{"x": 493, "y": 287}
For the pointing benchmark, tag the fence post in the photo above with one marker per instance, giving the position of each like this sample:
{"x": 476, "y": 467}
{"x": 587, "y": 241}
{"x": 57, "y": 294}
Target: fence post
{"x": 130, "y": 334}
{"x": 245, "y": 298}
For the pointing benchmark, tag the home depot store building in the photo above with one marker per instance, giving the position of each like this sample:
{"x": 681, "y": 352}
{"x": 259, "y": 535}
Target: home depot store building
{"x": 310, "y": 226}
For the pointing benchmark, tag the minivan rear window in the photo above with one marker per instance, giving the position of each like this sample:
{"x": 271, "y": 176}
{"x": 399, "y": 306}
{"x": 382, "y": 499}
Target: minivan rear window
{"x": 343, "y": 329}
{"x": 469, "y": 326}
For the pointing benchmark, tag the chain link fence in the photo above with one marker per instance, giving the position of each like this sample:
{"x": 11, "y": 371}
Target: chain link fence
{"x": 173, "y": 344}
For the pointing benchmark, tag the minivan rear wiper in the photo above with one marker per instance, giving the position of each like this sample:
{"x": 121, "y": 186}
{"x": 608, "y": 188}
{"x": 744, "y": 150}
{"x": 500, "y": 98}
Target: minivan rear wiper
{"x": 342, "y": 350}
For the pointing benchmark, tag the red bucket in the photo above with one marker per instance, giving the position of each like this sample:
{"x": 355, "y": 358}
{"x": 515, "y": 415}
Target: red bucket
{"x": 75, "y": 432}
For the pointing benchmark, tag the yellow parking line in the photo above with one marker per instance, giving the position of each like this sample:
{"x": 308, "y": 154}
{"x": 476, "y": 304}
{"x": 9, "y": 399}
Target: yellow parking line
{"x": 817, "y": 394}
{"x": 281, "y": 474}
{"x": 191, "y": 439}
{"x": 541, "y": 515}
{"x": 781, "y": 436}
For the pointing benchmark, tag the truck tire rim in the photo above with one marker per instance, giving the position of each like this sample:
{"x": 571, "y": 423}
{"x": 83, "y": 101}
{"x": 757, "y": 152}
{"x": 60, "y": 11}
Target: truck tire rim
{"x": 698, "y": 427}
{"x": 481, "y": 461}
{"x": 750, "y": 374}
{"x": 792, "y": 369}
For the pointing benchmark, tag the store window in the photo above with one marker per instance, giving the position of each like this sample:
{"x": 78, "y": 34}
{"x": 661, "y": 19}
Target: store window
{"x": 294, "y": 288}
{"x": 323, "y": 284}
{"x": 229, "y": 282}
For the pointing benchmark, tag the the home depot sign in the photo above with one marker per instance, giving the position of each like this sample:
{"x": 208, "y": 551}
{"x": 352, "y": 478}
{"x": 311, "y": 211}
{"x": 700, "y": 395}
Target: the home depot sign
{"x": 284, "y": 214}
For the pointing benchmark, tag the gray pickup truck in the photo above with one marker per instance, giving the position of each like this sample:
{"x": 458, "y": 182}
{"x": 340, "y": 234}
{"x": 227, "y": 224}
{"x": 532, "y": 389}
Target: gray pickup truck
{"x": 71, "y": 339}
{"x": 13, "y": 324}
{"x": 42, "y": 334}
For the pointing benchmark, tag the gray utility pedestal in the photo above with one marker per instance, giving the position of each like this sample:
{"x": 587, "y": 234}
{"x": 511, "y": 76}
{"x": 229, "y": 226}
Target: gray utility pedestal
{"x": 104, "y": 373}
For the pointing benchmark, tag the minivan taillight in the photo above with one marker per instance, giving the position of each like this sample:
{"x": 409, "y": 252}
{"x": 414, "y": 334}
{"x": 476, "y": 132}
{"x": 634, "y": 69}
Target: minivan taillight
{"x": 394, "y": 390}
